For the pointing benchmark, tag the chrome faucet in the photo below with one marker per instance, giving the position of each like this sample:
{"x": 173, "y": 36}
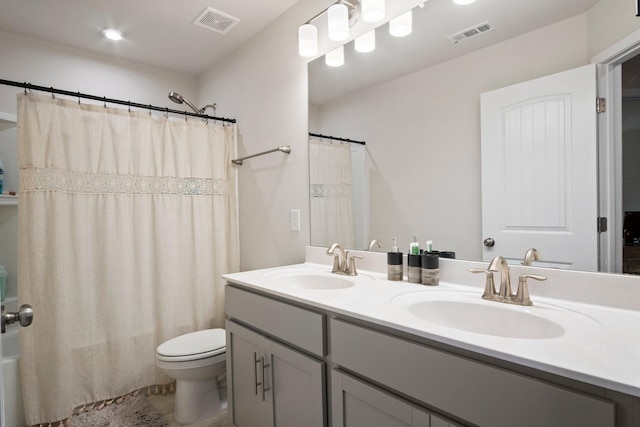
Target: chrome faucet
{"x": 342, "y": 262}
{"x": 504, "y": 294}
{"x": 531, "y": 255}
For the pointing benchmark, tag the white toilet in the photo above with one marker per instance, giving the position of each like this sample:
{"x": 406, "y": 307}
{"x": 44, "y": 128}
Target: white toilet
{"x": 195, "y": 360}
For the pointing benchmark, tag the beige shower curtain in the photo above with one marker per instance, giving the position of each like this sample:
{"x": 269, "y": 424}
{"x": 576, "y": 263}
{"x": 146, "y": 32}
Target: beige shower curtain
{"x": 331, "y": 200}
{"x": 126, "y": 223}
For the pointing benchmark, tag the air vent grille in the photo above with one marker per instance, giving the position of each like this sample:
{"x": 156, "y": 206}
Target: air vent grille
{"x": 215, "y": 20}
{"x": 470, "y": 32}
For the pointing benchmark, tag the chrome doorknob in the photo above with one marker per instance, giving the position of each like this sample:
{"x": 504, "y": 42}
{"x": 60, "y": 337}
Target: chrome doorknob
{"x": 24, "y": 316}
{"x": 489, "y": 242}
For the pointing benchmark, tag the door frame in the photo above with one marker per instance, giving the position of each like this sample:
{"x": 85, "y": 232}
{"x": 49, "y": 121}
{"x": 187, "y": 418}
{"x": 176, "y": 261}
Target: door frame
{"x": 609, "y": 86}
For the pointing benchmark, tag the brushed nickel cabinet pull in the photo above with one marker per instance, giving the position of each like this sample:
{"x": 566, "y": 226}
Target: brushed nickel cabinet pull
{"x": 256, "y": 361}
{"x": 264, "y": 381}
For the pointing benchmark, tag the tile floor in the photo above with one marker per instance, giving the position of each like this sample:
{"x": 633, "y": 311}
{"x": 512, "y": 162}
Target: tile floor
{"x": 165, "y": 404}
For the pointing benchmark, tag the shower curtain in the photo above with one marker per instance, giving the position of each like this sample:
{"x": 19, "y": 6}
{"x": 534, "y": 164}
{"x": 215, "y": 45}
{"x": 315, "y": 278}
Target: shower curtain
{"x": 330, "y": 185}
{"x": 126, "y": 223}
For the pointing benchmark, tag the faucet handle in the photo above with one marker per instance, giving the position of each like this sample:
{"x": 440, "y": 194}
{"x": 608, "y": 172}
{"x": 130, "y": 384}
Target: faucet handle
{"x": 351, "y": 269}
{"x": 489, "y": 286}
{"x": 522, "y": 296}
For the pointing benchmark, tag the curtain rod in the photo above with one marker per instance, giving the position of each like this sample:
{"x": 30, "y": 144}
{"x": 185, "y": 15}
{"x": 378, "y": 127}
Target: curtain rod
{"x": 335, "y": 138}
{"x": 53, "y": 90}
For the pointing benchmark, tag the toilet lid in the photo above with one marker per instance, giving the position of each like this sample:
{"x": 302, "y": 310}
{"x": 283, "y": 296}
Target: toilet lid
{"x": 195, "y": 345}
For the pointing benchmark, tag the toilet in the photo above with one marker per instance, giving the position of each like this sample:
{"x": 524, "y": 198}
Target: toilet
{"x": 194, "y": 360}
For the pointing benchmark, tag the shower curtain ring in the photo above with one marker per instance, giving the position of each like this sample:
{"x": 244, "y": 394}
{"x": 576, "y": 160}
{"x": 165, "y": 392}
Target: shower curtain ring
{"x": 166, "y": 112}
{"x": 129, "y": 103}
{"x": 53, "y": 95}
{"x": 149, "y": 109}
{"x": 78, "y": 98}
{"x": 104, "y": 100}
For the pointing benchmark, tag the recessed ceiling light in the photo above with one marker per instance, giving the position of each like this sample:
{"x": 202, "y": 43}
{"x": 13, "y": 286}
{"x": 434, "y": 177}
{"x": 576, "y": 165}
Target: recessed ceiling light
{"x": 112, "y": 34}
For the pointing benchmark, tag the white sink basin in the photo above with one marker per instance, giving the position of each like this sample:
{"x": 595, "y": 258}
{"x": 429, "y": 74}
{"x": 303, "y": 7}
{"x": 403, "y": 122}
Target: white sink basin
{"x": 487, "y": 319}
{"x": 468, "y": 312}
{"x": 313, "y": 280}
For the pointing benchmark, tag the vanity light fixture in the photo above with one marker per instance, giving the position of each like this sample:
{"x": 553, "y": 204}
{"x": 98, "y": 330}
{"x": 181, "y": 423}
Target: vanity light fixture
{"x": 373, "y": 10}
{"x": 335, "y": 58}
{"x": 308, "y": 40}
{"x": 342, "y": 15}
{"x": 401, "y": 26}
{"x": 338, "y": 16}
{"x": 113, "y": 34}
{"x": 366, "y": 42}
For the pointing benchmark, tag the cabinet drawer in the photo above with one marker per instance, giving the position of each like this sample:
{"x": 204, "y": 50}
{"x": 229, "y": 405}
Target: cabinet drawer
{"x": 479, "y": 393}
{"x": 299, "y": 327}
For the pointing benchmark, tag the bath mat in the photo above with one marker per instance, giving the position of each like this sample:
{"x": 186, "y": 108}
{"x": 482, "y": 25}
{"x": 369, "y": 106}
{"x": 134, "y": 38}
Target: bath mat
{"x": 135, "y": 411}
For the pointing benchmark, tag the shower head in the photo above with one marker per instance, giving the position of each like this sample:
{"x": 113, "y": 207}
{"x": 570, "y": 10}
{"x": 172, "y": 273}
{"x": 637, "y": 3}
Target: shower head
{"x": 285, "y": 149}
{"x": 179, "y": 99}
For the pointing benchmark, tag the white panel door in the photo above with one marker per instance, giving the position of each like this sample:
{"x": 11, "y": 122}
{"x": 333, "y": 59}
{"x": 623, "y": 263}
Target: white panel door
{"x": 539, "y": 170}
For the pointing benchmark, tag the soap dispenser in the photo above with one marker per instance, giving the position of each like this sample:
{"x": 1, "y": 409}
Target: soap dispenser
{"x": 394, "y": 262}
{"x": 414, "y": 267}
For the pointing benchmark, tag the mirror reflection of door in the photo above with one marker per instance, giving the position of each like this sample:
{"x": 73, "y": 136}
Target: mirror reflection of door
{"x": 631, "y": 165}
{"x": 539, "y": 170}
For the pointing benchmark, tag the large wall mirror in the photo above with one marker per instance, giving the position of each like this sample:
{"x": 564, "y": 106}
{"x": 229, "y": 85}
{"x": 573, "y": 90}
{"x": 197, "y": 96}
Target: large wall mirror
{"x": 415, "y": 101}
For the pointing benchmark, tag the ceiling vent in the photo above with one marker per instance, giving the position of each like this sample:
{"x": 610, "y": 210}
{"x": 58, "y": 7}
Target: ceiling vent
{"x": 476, "y": 30}
{"x": 215, "y": 20}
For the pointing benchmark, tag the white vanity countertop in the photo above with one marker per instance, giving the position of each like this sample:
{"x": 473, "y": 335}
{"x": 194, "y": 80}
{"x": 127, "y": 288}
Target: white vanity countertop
{"x": 600, "y": 344}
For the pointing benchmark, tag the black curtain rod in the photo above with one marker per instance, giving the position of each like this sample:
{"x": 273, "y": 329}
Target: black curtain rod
{"x": 52, "y": 90}
{"x": 335, "y": 138}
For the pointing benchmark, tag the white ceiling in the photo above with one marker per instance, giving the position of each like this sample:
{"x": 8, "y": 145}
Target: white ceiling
{"x": 158, "y": 32}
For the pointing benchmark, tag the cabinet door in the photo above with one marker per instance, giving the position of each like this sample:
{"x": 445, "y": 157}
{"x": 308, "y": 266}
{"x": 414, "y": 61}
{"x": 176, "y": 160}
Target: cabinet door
{"x": 244, "y": 357}
{"x": 356, "y": 404}
{"x": 438, "y": 421}
{"x": 296, "y": 387}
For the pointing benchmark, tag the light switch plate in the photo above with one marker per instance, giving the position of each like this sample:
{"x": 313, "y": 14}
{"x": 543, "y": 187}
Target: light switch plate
{"x": 295, "y": 219}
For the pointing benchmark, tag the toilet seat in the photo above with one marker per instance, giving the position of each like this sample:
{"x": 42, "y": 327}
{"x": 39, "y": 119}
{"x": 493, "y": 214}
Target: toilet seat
{"x": 193, "y": 346}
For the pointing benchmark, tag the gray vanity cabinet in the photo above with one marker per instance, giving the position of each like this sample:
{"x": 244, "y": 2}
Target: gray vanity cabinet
{"x": 481, "y": 394}
{"x": 271, "y": 384}
{"x": 278, "y": 351}
{"x": 357, "y": 404}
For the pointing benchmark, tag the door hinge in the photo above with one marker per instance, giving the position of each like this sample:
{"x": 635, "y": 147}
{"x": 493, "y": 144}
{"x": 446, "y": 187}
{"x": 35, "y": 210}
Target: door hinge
{"x": 602, "y": 224}
{"x": 601, "y": 105}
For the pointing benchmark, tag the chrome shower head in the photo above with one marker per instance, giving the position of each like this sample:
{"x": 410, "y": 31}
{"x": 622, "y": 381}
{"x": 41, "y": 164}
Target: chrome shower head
{"x": 176, "y": 97}
{"x": 179, "y": 99}
{"x": 285, "y": 149}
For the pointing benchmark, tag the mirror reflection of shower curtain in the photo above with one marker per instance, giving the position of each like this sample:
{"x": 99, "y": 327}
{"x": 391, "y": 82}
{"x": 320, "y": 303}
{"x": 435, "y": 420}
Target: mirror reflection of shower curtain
{"x": 331, "y": 193}
{"x": 126, "y": 223}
